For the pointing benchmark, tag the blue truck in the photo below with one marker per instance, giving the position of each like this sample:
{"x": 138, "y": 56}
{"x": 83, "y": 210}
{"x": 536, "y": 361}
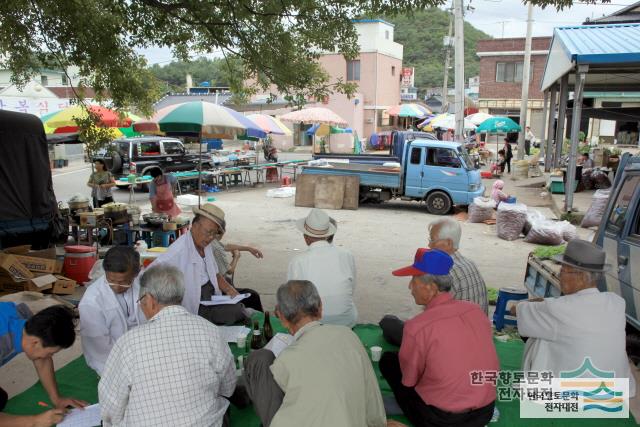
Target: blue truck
{"x": 439, "y": 173}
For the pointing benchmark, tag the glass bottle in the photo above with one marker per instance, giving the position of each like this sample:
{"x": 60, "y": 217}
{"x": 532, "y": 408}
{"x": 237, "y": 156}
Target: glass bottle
{"x": 256, "y": 339}
{"x": 267, "y": 330}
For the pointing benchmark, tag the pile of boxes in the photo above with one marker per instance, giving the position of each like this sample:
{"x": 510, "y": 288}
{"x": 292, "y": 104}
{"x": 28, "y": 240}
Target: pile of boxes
{"x": 22, "y": 269}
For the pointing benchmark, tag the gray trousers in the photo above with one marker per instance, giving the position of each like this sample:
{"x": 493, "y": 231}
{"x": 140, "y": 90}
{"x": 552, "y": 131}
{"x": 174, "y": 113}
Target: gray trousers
{"x": 263, "y": 390}
{"x": 219, "y": 314}
{"x": 392, "y": 329}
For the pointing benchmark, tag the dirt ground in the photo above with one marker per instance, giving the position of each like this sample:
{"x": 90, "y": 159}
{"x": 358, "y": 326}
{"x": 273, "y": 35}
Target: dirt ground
{"x": 382, "y": 237}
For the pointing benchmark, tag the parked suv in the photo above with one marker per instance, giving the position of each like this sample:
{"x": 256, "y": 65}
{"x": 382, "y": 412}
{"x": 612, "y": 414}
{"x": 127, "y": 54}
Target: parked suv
{"x": 143, "y": 154}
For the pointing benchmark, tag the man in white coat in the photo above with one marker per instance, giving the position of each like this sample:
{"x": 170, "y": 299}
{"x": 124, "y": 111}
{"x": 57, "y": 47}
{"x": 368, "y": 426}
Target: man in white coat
{"x": 192, "y": 254}
{"x": 331, "y": 269}
{"x": 108, "y": 308}
{"x": 582, "y": 324}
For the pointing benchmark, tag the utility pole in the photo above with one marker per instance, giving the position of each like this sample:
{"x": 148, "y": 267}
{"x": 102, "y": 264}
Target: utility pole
{"x": 526, "y": 68}
{"x": 445, "y": 84}
{"x": 459, "y": 56}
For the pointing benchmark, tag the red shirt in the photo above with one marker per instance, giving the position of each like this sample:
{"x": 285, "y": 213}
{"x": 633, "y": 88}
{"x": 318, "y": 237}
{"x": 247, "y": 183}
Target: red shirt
{"x": 441, "y": 347}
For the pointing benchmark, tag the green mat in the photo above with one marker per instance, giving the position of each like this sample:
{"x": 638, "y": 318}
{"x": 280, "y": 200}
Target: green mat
{"x": 78, "y": 380}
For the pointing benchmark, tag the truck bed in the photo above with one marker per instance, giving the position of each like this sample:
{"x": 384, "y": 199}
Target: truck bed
{"x": 371, "y": 175}
{"x": 542, "y": 278}
{"x": 375, "y": 159}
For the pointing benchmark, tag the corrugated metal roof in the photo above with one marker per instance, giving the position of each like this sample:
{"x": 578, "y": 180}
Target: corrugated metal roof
{"x": 600, "y": 44}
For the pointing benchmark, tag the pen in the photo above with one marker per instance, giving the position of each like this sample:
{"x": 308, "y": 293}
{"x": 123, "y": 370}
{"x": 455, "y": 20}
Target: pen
{"x": 43, "y": 404}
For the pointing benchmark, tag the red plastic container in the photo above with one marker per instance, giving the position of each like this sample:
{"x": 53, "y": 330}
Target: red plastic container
{"x": 78, "y": 262}
{"x": 486, "y": 174}
{"x": 286, "y": 181}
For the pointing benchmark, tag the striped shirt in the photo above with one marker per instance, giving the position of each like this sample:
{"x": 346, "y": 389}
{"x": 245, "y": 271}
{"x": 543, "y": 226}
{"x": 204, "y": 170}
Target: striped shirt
{"x": 468, "y": 284}
{"x": 175, "y": 370}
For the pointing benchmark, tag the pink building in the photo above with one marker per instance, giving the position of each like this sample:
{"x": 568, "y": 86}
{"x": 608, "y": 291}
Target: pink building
{"x": 377, "y": 70}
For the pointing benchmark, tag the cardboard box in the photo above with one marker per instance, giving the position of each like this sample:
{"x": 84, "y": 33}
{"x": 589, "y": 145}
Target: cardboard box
{"x": 18, "y": 250}
{"x": 13, "y": 268}
{"x": 63, "y": 285}
{"x": 36, "y": 264}
{"x": 37, "y": 284}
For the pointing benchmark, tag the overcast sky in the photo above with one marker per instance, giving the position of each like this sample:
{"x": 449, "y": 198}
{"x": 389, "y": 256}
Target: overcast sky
{"x": 499, "y": 18}
{"x": 491, "y": 15}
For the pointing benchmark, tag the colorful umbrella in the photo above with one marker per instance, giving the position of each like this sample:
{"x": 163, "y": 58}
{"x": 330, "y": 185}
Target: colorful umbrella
{"x": 270, "y": 124}
{"x": 478, "y": 118}
{"x": 314, "y": 115}
{"x": 409, "y": 110}
{"x": 498, "y": 125}
{"x": 324, "y": 130}
{"x": 448, "y": 121}
{"x": 119, "y": 131}
{"x": 65, "y": 117}
{"x": 199, "y": 117}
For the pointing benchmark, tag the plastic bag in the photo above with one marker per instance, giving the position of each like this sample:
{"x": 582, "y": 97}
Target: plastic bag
{"x": 532, "y": 216}
{"x": 481, "y": 209}
{"x": 282, "y": 192}
{"x": 599, "y": 202}
{"x": 545, "y": 232}
{"x": 600, "y": 180}
{"x": 568, "y": 231}
{"x": 510, "y": 220}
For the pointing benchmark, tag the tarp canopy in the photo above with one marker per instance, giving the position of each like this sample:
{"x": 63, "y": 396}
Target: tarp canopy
{"x": 26, "y": 187}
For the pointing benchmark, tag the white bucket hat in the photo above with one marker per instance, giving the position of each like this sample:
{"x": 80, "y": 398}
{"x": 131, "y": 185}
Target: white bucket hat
{"x": 316, "y": 224}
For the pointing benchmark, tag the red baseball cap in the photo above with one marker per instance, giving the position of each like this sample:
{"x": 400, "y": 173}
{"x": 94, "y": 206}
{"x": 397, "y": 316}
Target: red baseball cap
{"x": 427, "y": 261}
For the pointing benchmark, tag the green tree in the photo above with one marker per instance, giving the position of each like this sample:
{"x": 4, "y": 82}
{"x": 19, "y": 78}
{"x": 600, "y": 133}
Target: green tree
{"x": 277, "y": 40}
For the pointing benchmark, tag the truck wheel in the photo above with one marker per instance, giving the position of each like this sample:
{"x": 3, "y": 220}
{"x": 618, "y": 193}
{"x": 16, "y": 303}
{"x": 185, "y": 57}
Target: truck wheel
{"x": 438, "y": 203}
{"x": 116, "y": 163}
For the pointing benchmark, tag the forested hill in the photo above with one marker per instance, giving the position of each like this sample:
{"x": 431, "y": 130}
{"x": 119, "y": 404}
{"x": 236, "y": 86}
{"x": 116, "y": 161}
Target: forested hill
{"x": 422, "y": 34}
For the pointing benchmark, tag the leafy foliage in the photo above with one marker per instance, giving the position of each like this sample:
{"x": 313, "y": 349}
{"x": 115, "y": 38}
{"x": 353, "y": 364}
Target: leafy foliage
{"x": 421, "y": 33}
{"x": 275, "y": 40}
{"x": 94, "y": 137}
{"x": 213, "y": 71}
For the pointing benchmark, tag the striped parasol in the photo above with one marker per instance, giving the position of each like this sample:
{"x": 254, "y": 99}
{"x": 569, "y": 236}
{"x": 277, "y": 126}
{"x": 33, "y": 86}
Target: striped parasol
{"x": 65, "y": 117}
{"x": 409, "y": 110}
{"x": 199, "y": 117}
{"x": 270, "y": 124}
{"x": 314, "y": 115}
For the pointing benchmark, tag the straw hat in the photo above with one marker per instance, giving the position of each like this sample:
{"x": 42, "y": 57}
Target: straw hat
{"x": 316, "y": 224}
{"x": 213, "y": 213}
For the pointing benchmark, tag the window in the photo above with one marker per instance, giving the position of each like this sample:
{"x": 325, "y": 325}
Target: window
{"x": 386, "y": 34}
{"x": 393, "y": 70}
{"x": 150, "y": 148}
{"x": 65, "y": 81}
{"x": 510, "y": 72}
{"x": 172, "y": 147}
{"x": 44, "y": 80}
{"x": 353, "y": 70}
{"x": 618, "y": 214}
{"x": 415, "y": 155}
{"x": 123, "y": 149}
{"x": 443, "y": 157}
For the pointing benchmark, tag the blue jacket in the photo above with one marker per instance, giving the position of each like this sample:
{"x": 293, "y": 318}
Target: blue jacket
{"x": 12, "y": 319}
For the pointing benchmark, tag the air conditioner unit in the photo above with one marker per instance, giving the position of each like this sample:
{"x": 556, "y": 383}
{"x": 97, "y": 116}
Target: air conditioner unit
{"x": 369, "y": 120}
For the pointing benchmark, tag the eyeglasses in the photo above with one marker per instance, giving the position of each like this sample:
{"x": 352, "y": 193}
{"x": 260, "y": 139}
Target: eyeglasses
{"x": 209, "y": 233}
{"x": 140, "y": 299}
{"x": 119, "y": 285}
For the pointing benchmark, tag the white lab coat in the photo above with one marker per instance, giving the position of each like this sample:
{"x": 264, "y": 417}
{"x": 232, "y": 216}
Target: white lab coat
{"x": 564, "y": 331}
{"x": 184, "y": 255}
{"x": 102, "y": 321}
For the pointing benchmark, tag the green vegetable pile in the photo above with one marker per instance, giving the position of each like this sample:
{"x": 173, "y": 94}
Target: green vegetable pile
{"x": 547, "y": 252}
{"x": 492, "y": 296}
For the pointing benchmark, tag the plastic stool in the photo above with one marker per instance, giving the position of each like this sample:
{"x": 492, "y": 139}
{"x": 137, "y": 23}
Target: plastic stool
{"x": 501, "y": 316}
{"x": 162, "y": 238}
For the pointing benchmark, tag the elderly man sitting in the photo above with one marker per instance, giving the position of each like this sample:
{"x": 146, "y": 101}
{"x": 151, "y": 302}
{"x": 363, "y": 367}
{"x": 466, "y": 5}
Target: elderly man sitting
{"x": 467, "y": 282}
{"x": 192, "y": 254}
{"x": 582, "y": 324}
{"x": 330, "y": 268}
{"x": 323, "y": 379}
{"x": 175, "y": 370}
{"x": 108, "y": 308}
{"x": 430, "y": 377}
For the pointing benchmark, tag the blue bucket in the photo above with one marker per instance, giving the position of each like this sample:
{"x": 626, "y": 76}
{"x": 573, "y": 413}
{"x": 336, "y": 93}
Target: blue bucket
{"x": 510, "y": 200}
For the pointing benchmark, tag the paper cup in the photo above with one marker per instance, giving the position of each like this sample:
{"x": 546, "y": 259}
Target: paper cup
{"x": 376, "y": 353}
{"x": 242, "y": 341}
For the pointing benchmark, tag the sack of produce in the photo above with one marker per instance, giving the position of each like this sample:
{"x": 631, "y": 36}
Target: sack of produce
{"x": 510, "y": 220}
{"x": 593, "y": 216}
{"x": 600, "y": 180}
{"x": 568, "y": 231}
{"x": 545, "y": 232}
{"x": 481, "y": 209}
{"x": 532, "y": 216}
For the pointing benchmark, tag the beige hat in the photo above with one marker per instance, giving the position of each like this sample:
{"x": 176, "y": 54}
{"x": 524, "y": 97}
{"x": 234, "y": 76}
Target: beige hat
{"x": 316, "y": 224}
{"x": 213, "y": 213}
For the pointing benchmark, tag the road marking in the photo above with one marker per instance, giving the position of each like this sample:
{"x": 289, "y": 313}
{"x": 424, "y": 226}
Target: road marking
{"x": 69, "y": 173}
